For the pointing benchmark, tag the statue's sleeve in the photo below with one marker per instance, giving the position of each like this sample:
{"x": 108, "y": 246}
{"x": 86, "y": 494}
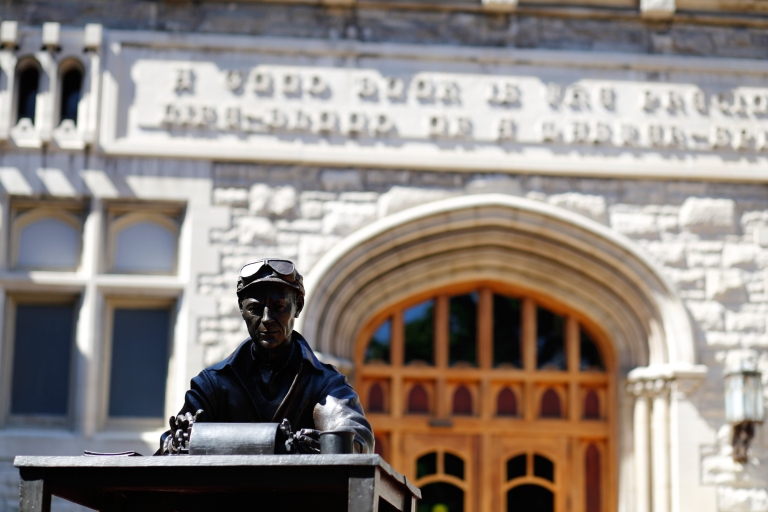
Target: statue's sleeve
{"x": 340, "y": 408}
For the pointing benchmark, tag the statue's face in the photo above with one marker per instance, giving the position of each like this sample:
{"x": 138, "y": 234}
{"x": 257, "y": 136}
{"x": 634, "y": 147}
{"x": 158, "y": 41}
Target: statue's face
{"x": 269, "y": 313}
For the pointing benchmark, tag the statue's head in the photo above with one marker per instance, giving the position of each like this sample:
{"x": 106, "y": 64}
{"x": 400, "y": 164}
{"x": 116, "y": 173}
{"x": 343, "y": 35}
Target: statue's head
{"x": 270, "y": 293}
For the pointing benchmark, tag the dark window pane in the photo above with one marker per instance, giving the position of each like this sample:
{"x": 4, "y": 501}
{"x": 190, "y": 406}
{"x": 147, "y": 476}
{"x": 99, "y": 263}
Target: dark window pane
{"x": 506, "y": 403}
{"x": 516, "y": 467}
{"x": 592, "y": 470}
{"x": 426, "y": 465}
{"x": 378, "y": 347}
{"x": 550, "y": 404}
{"x": 418, "y": 401}
{"x": 506, "y": 332}
{"x": 591, "y": 406}
{"x": 29, "y": 81}
{"x": 376, "y": 398}
{"x": 462, "y": 329}
{"x": 41, "y": 359}
{"x": 543, "y": 468}
{"x": 550, "y": 340}
{"x": 462, "y": 402}
{"x": 71, "y": 84}
{"x": 530, "y": 498}
{"x": 441, "y": 497}
{"x": 454, "y": 466}
{"x": 139, "y": 363}
{"x": 419, "y": 326}
{"x": 591, "y": 360}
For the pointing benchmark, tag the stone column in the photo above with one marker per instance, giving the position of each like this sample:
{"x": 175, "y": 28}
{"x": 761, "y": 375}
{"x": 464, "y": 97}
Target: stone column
{"x": 660, "y": 446}
{"x": 641, "y": 433}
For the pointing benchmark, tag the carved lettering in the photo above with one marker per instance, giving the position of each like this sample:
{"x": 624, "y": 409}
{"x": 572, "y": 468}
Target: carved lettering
{"x": 675, "y": 102}
{"x": 184, "y": 79}
{"x": 554, "y": 95}
{"x": 425, "y": 89}
{"x": 395, "y": 88}
{"x": 506, "y": 93}
{"x": 234, "y": 79}
{"x": 327, "y": 122}
{"x": 630, "y": 135}
{"x": 549, "y": 132}
{"x": 580, "y": 132}
{"x": 292, "y": 84}
{"x": 317, "y": 85}
{"x": 507, "y": 130}
{"x": 603, "y": 133}
{"x": 356, "y": 123}
{"x": 721, "y": 137}
{"x": 700, "y": 102}
{"x": 262, "y": 83}
{"x": 366, "y": 88}
{"x": 649, "y": 100}
{"x": 608, "y": 98}
{"x": 438, "y": 126}
{"x": 578, "y": 98}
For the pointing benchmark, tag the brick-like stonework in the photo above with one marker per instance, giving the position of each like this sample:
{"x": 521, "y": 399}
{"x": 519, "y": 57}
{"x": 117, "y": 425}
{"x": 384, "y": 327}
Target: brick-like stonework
{"x": 625, "y": 32}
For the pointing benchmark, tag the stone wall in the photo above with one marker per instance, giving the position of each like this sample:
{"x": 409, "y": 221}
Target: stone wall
{"x": 624, "y": 32}
{"x": 709, "y": 239}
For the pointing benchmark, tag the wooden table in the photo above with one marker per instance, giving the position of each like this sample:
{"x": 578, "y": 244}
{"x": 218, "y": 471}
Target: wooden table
{"x": 307, "y": 483}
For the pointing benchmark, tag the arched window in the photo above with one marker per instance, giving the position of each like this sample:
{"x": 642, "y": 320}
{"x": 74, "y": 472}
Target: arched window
{"x": 147, "y": 245}
{"x": 550, "y": 404}
{"x": 376, "y": 398}
{"x": 418, "y": 400}
{"x": 530, "y": 483}
{"x": 441, "y": 475}
{"x": 71, "y": 92}
{"x": 28, "y": 74}
{"x": 506, "y": 403}
{"x": 462, "y": 402}
{"x": 47, "y": 242}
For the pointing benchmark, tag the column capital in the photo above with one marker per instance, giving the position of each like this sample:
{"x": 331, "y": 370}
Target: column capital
{"x": 660, "y": 378}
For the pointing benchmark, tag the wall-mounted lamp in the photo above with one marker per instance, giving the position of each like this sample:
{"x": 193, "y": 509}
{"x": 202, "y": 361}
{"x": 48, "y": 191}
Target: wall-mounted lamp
{"x": 743, "y": 405}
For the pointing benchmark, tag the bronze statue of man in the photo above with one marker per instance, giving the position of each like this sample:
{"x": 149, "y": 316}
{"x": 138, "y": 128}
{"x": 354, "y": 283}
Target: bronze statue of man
{"x": 274, "y": 375}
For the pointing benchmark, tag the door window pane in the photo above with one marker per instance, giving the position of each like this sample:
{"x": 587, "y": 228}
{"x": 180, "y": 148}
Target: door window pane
{"x": 42, "y": 359}
{"x": 378, "y": 348}
{"x": 506, "y": 332}
{"x": 550, "y": 340}
{"x": 550, "y": 404}
{"x": 441, "y": 497}
{"x": 145, "y": 247}
{"x": 591, "y": 360}
{"x": 139, "y": 363}
{"x": 419, "y": 328}
{"x": 426, "y": 465}
{"x": 516, "y": 467}
{"x": 454, "y": 465}
{"x": 531, "y": 498}
{"x": 49, "y": 243}
{"x": 462, "y": 329}
{"x": 543, "y": 468}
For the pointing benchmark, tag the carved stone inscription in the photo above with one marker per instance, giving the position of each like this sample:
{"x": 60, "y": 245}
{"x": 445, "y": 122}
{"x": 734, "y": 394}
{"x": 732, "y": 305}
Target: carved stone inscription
{"x": 223, "y": 104}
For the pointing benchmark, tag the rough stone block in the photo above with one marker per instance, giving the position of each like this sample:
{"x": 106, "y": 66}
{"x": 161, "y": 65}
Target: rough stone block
{"x": 311, "y": 209}
{"x": 344, "y": 218}
{"x": 230, "y": 196}
{"x": 253, "y": 230}
{"x": 341, "y": 180}
{"x": 670, "y": 254}
{"x": 742, "y": 255}
{"x": 708, "y": 314}
{"x": 726, "y": 286}
{"x": 657, "y": 9}
{"x": 635, "y": 224}
{"x": 745, "y": 321}
{"x": 494, "y": 184}
{"x": 400, "y": 198}
{"x": 708, "y": 216}
{"x": 590, "y": 206}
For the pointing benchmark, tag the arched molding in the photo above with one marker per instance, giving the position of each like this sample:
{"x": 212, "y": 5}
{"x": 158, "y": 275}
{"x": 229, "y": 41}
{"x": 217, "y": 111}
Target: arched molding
{"x": 540, "y": 248}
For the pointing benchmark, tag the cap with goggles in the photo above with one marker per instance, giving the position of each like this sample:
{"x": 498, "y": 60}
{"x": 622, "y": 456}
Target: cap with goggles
{"x": 270, "y": 270}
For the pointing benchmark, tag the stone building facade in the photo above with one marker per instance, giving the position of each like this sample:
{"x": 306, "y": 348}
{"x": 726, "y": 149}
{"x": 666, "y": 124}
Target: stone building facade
{"x": 603, "y": 164}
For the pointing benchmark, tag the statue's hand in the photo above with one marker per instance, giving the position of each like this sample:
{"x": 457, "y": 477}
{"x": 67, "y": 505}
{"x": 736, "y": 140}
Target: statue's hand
{"x": 181, "y": 429}
{"x": 308, "y": 440}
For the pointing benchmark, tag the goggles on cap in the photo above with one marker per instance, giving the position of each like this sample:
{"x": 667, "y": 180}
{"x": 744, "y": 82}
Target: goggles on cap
{"x": 284, "y": 268}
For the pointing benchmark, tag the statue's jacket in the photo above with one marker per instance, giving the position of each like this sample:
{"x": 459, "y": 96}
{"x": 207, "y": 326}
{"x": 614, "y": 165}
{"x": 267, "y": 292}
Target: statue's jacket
{"x": 318, "y": 397}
